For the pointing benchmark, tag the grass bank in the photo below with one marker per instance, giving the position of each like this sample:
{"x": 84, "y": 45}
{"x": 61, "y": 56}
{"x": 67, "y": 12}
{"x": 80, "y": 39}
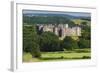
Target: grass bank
{"x": 56, "y": 56}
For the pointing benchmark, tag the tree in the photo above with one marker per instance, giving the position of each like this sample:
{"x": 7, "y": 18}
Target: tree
{"x": 30, "y": 40}
{"x": 48, "y": 19}
{"x": 35, "y": 50}
{"x": 49, "y": 42}
{"x": 69, "y": 43}
{"x": 84, "y": 23}
{"x": 86, "y": 33}
{"x": 83, "y": 43}
{"x": 85, "y": 38}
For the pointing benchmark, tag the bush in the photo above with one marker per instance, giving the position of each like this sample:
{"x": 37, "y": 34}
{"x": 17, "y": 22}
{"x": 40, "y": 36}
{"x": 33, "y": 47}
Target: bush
{"x": 62, "y": 57}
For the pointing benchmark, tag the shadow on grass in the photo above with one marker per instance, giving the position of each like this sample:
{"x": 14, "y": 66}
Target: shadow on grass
{"x": 58, "y": 58}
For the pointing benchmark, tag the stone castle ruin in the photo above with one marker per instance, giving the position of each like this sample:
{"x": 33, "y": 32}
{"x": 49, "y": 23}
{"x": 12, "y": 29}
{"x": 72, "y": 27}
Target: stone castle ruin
{"x": 61, "y": 30}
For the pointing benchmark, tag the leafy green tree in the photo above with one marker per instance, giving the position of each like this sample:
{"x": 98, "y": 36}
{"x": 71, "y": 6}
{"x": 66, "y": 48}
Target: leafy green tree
{"x": 85, "y": 38}
{"x": 35, "y": 51}
{"x": 84, "y": 23}
{"x": 30, "y": 40}
{"x": 86, "y": 33}
{"x": 69, "y": 43}
{"x": 83, "y": 43}
{"x": 49, "y": 42}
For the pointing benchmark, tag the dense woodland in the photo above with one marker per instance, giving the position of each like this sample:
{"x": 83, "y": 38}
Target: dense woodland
{"x": 48, "y": 20}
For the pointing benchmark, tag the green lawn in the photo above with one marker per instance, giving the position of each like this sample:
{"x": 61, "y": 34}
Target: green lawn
{"x": 63, "y": 55}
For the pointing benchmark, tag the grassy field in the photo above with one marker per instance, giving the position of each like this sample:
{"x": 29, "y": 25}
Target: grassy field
{"x": 56, "y": 56}
{"x": 79, "y": 21}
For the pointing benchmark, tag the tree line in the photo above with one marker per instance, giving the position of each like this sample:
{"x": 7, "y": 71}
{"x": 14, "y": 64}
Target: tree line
{"x": 48, "y": 20}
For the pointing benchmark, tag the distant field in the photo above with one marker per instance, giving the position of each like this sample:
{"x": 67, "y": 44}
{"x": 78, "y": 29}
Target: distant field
{"x": 79, "y": 21}
{"x": 52, "y": 56}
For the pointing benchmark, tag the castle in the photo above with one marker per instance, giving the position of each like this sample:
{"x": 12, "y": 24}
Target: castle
{"x": 61, "y": 30}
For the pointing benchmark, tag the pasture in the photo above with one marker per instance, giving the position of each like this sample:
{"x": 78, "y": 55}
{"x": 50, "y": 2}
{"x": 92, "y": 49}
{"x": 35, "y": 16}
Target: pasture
{"x": 79, "y": 21}
{"x": 61, "y": 55}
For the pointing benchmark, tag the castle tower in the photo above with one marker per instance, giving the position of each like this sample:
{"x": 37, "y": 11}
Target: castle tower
{"x": 55, "y": 30}
{"x": 78, "y": 31}
{"x": 66, "y": 25}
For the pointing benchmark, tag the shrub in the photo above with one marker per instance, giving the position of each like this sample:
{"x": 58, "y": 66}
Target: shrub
{"x": 62, "y": 57}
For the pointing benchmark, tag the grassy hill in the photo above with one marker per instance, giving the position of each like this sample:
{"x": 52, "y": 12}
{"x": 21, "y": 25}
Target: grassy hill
{"x": 79, "y": 21}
